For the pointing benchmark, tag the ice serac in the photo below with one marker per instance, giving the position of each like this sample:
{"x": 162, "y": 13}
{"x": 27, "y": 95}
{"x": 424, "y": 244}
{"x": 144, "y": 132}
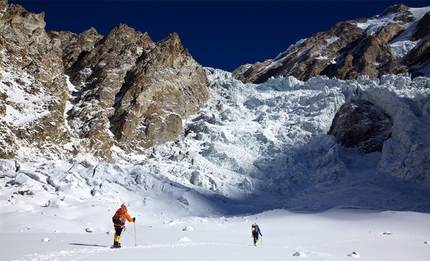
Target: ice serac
{"x": 353, "y": 48}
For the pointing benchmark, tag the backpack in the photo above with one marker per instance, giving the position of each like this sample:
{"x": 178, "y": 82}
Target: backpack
{"x": 254, "y": 229}
{"x": 117, "y": 218}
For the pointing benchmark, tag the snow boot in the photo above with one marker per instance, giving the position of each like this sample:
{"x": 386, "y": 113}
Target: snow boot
{"x": 116, "y": 243}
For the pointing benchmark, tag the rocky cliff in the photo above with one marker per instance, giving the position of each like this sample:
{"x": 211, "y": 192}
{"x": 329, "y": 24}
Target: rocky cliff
{"x": 395, "y": 41}
{"x": 37, "y": 85}
{"x": 87, "y": 94}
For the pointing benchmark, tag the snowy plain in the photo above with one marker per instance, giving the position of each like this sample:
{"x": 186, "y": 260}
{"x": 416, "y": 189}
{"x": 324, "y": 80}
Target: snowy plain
{"x": 70, "y": 224}
{"x": 255, "y": 154}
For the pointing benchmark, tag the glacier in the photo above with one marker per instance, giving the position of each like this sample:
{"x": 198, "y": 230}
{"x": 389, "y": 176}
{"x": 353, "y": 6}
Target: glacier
{"x": 256, "y": 147}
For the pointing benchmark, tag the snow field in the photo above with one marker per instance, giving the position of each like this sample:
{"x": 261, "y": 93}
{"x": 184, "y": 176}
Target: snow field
{"x": 329, "y": 235}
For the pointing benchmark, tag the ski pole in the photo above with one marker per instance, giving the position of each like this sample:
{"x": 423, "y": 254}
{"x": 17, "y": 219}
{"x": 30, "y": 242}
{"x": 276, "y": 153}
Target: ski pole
{"x": 261, "y": 241}
{"x": 135, "y": 236}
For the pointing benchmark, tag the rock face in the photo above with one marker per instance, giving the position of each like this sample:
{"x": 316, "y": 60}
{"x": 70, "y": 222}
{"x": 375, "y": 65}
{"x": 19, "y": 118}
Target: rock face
{"x": 421, "y": 54}
{"x": 33, "y": 72}
{"x": 372, "y": 47}
{"x": 140, "y": 90}
{"x": 90, "y": 94}
{"x": 74, "y": 45}
{"x": 361, "y": 124}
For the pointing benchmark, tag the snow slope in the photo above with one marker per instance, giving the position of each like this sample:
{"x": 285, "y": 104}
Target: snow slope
{"x": 403, "y": 44}
{"x": 256, "y": 153}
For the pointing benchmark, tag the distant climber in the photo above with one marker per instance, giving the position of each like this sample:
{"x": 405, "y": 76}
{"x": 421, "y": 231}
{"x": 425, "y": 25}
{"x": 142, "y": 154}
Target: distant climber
{"x": 119, "y": 219}
{"x": 255, "y": 232}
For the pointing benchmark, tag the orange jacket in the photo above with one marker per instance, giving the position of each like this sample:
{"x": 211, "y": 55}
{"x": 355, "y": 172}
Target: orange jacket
{"x": 125, "y": 216}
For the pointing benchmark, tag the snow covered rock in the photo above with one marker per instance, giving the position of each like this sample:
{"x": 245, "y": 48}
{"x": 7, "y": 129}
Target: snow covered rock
{"x": 361, "y": 124}
{"x": 300, "y": 254}
{"x": 354, "y": 254}
{"x": 188, "y": 228}
{"x": 20, "y": 179}
{"x": 32, "y": 76}
{"x": 184, "y": 240}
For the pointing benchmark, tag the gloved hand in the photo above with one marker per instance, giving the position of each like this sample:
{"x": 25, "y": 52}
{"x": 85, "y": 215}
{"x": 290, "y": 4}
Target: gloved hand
{"x": 134, "y": 219}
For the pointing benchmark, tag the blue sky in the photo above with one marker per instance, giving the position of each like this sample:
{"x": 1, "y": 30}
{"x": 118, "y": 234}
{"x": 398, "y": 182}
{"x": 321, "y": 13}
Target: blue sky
{"x": 219, "y": 34}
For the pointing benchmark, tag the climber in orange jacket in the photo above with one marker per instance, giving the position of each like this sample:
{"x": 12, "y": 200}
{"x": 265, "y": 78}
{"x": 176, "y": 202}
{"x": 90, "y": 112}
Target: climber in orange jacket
{"x": 119, "y": 219}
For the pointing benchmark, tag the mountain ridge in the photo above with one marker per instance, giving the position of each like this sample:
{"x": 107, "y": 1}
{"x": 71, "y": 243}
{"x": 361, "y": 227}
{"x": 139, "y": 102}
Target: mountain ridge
{"x": 365, "y": 46}
{"x": 121, "y": 90}
{"x": 124, "y": 98}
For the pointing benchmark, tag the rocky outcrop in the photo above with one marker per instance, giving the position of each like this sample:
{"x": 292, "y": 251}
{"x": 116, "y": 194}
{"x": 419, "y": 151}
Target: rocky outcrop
{"x": 140, "y": 91}
{"x": 349, "y": 49}
{"x": 75, "y": 45}
{"x": 420, "y": 56}
{"x": 34, "y": 84}
{"x": 164, "y": 87}
{"x": 89, "y": 94}
{"x": 360, "y": 124}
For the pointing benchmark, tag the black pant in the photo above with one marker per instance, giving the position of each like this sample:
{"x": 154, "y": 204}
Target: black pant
{"x": 118, "y": 230}
{"x": 255, "y": 237}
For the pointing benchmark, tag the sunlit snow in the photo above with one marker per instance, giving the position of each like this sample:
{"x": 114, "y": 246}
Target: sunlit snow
{"x": 255, "y": 153}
